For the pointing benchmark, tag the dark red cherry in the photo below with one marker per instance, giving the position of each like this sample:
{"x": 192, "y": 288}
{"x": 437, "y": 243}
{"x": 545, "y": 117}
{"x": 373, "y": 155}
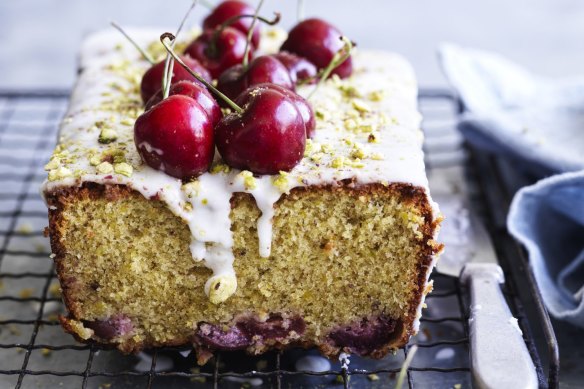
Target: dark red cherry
{"x": 218, "y": 51}
{"x": 176, "y": 137}
{"x": 261, "y": 70}
{"x": 229, "y": 9}
{"x": 152, "y": 79}
{"x": 269, "y": 136}
{"x": 317, "y": 41}
{"x": 195, "y": 91}
{"x": 303, "y": 106}
{"x": 300, "y": 69}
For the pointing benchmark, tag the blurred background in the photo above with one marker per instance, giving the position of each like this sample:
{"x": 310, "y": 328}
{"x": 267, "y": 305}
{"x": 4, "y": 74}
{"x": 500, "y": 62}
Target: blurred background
{"x": 39, "y": 39}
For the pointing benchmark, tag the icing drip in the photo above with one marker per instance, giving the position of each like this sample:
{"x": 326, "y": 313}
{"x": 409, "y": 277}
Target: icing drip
{"x": 361, "y": 135}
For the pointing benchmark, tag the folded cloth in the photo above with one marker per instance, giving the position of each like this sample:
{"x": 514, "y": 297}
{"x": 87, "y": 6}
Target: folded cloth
{"x": 548, "y": 218}
{"x": 536, "y": 120}
{"x": 539, "y": 122}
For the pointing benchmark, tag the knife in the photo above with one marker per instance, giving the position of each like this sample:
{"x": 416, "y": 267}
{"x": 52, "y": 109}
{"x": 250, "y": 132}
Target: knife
{"x": 499, "y": 355}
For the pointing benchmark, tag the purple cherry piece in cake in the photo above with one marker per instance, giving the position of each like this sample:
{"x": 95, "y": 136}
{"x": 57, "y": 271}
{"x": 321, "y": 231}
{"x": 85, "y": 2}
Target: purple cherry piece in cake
{"x": 115, "y": 326}
{"x": 364, "y": 337}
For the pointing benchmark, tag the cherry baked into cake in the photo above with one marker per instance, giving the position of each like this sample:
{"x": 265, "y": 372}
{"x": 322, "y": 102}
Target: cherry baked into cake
{"x": 269, "y": 192}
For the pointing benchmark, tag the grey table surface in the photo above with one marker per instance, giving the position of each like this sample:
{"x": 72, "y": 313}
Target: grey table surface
{"x": 39, "y": 40}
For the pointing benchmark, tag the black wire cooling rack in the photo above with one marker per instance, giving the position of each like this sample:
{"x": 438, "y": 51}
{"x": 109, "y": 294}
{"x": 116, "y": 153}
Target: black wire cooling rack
{"x": 34, "y": 351}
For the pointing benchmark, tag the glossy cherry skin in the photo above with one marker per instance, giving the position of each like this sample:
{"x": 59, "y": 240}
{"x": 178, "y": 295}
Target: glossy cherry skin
{"x": 176, "y": 137}
{"x": 152, "y": 79}
{"x": 300, "y": 69}
{"x": 261, "y": 70}
{"x": 302, "y": 105}
{"x": 229, "y": 50}
{"x": 268, "y": 137}
{"x": 228, "y": 9}
{"x": 317, "y": 41}
{"x": 197, "y": 92}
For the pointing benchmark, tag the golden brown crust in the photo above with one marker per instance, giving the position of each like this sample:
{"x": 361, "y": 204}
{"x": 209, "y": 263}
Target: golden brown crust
{"x": 407, "y": 194}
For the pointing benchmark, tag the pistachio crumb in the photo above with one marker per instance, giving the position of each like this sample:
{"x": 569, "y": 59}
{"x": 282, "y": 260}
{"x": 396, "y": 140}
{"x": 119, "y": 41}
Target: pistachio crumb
{"x": 249, "y": 181}
{"x": 95, "y": 160}
{"x": 338, "y": 162}
{"x": 373, "y": 377}
{"x": 59, "y": 174}
{"x": 377, "y": 95}
{"x": 53, "y": 164}
{"x": 107, "y": 135}
{"x": 373, "y": 137}
{"x": 124, "y": 169}
{"x": 361, "y": 106}
{"x": 377, "y": 157}
{"x": 321, "y": 114}
{"x": 281, "y": 182}
{"x": 104, "y": 168}
{"x": 220, "y": 168}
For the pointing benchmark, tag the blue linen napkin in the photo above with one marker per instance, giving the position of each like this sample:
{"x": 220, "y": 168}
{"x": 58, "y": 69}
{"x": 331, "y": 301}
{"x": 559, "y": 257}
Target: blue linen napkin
{"x": 548, "y": 219}
{"x": 539, "y": 122}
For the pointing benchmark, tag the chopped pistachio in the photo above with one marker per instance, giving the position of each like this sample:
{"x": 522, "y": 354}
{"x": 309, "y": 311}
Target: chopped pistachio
{"x": 376, "y": 95}
{"x": 373, "y": 377}
{"x": 220, "y": 168}
{"x": 321, "y": 114}
{"x": 326, "y": 148}
{"x": 358, "y": 151}
{"x": 281, "y": 182}
{"x": 317, "y": 157}
{"x": 124, "y": 169}
{"x": 95, "y": 160}
{"x": 338, "y": 162}
{"x": 249, "y": 181}
{"x": 350, "y": 124}
{"x": 59, "y": 174}
{"x": 191, "y": 188}
{"x": 53, "y": 164}
{"x": 127, "y": 122}
{"x": 107, "y": 135}
{"x": 361, "y": 106}
{"x": 222, "y": 287}
{"x": 104, "y": 168}
{"x": 377, "y": 157}
{"x": 373, "y": 137}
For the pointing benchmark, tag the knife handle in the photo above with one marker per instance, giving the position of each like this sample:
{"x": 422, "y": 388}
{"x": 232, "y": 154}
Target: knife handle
{"x": 499, "y": 356}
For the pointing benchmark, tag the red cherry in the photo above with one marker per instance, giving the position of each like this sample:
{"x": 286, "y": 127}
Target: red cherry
{"x": 317, "y": 41}
{"x": 197, "y": 92}
{"x": 176, "y": 137}
{"x": 229, "y": 9}
{"x": 228, "y": 49}
{"x": 269, "y": 136}
{"x": 152, "y": 79}
{"x": 300, "y": 69}
{"x": 301, "y": 103}
{"x": 264, "y": 69}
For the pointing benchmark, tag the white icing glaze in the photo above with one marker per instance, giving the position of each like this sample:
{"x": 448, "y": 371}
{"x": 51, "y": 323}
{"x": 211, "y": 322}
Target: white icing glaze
{"x": 395, "y": 118}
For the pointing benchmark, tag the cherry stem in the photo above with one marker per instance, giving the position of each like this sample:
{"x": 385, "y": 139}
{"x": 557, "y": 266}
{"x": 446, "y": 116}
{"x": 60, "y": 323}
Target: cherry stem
{"x": 168, "y": 36}
{"x": 144, "y": 54}
{"x": 168, "y": 64}
{"x": 233, "y": 19}
{"x": 250, "y": 35}
{"x": 340, "y": 56}
{"x": 300, "y": 10}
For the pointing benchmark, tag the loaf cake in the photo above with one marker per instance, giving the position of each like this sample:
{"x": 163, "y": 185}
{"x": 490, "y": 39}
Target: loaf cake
{"x": 335, "y": 254}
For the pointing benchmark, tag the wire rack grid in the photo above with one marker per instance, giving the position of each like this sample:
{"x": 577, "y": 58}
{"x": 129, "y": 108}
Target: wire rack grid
{"x": 34, "y": 352}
